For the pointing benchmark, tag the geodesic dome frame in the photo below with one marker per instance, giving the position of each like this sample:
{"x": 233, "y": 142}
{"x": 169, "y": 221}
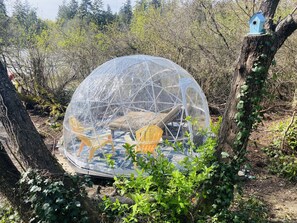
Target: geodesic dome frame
{"x": 139, "y": 100}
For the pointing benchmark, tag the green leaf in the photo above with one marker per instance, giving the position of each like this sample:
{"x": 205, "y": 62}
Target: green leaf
{"x": 35, "y": 189}
{"x": 244, "y": 87}
{"x": 240, "y": 105}
{"x": 77, "y": 204}
{"x": 224, "y": 155}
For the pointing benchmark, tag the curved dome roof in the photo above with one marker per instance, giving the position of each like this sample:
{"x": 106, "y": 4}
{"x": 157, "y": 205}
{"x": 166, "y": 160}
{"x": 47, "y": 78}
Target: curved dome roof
{"x": 136, "y": 99}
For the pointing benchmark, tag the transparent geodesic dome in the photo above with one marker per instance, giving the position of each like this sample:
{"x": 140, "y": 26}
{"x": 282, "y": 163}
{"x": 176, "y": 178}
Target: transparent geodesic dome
{"x": 141, "y": 100}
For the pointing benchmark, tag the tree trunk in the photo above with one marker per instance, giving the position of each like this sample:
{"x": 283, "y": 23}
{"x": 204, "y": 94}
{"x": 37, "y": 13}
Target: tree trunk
{"x": 250, "y": 74}
{"x": 9, "y": 177}
{"x": 243, "y": 105}
{"x": 255, "y": 50}
{"x": 28, "y": 145}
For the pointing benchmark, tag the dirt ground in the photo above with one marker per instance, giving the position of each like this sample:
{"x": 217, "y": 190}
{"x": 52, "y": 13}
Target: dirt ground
{"x": 279, "y": 194}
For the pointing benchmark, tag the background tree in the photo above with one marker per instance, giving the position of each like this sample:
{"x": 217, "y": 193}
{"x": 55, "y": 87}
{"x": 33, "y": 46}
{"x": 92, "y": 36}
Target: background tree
{"x": 67, "y": 11}
{"x": 108, "y": 16}
{"x": 4, "y": 22}
{"x": 125, "y": 13}
{"x": 97, "y": 12}
{"x": 84, "y": 11}
{"x": 156, "y": 3}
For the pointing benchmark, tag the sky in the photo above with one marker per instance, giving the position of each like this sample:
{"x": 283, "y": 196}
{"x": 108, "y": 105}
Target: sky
{"x": 48, "y": 9}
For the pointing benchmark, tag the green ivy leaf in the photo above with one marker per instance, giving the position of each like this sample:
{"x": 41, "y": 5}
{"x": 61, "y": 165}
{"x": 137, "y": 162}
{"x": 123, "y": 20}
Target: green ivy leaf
{"x": 244, "y": 87}
{"x": 240, "y": 105}
{"x": 224, "y": 155}
{"x": 35, "y": 189}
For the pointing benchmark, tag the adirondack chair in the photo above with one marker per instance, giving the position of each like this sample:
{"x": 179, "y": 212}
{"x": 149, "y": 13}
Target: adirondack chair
{"x": 93, "y": 142}
{"x": 147, "y": 139}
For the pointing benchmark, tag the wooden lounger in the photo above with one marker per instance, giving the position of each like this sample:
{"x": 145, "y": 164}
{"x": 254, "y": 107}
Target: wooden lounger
{"x": 135, "y": 120}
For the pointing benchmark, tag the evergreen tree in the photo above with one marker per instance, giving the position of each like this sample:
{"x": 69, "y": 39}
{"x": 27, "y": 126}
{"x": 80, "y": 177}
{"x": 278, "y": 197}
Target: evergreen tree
{"x": 84, "y": 10}
{"x": 97, "y": 12}
{"x": 3, "y": 22}
{"x": 156, "y": 3}
{"x": 68, "y": 11}
{"x": 25, "y": 20}
{"x": 73, "y": 8}
{"x": 125, "y": 14}
{"x": 108, "y": 15}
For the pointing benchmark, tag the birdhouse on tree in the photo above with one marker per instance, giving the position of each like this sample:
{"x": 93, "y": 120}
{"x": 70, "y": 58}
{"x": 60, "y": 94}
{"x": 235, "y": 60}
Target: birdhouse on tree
{"x": 256, "y": 23}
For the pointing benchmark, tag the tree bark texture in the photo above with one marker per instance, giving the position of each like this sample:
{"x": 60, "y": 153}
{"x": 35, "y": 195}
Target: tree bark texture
{"x": 253, "y": 47}
{"x": 27, "y": 143}
{"x": 9, "y": 177}
{"x": 268, "y": 7}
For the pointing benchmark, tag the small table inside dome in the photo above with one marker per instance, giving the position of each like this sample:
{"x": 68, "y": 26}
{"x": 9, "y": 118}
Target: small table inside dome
{"x": 135, "y": 120}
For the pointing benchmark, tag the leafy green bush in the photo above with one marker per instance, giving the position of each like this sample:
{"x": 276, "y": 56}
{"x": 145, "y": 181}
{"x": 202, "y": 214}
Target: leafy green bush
{"x": 281, "y": 163}
{"x": 8, "y": 215}
{"x": 161, "y": 191}
{"x": 282, "y": 153}
{"x": 200, "y": 189}
{"x": 51, "y": 200}
{"x": 243, "y": 210}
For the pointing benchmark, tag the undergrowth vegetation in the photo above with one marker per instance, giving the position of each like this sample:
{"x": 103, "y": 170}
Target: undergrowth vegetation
{"x": 282, "y": 153}
{"x": 158, "y": 191}
{"x": 8, "y": 215}
{"x": 161, "y": 191}
{"x": 51, "y": 200}
{"x": 244, "y": 210}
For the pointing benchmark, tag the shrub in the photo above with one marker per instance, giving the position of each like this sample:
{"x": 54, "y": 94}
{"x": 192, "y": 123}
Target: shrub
{"x": 282, "y": 153}
{"x": 51, "y": 200}
{"x": 162, "y": 192}
{"x": 8, "y": 215}
{"x": 243, "y": 210}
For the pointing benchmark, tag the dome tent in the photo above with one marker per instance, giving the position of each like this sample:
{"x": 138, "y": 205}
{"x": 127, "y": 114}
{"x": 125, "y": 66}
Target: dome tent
{"x": 139, "y": 100}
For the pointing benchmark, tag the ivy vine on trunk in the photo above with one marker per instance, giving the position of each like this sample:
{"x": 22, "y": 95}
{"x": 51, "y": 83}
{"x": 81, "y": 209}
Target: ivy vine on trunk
{"x": 250, "y": 75}
{"x": 243, "y": 105}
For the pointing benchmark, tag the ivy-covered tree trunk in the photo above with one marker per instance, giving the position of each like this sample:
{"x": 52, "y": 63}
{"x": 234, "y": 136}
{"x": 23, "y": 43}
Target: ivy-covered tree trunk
{"x": 242, "y": 110}
{"x": 9, "y": 177}
{"x": 249, "y": 79}
{"x": 243, "y": 105}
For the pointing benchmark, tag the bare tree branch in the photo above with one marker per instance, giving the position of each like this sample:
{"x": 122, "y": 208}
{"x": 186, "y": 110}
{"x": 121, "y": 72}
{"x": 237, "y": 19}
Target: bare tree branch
{"x": 242, "y": 9}
{"x": 294, "y": 10}
{"x": 217, "y": 29}
{"x": 268, "y": 8}
{"x": 285, "y": 28}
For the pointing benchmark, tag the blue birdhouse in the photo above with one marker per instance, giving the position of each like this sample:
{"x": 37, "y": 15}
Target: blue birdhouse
{"x": 256, "y": 23}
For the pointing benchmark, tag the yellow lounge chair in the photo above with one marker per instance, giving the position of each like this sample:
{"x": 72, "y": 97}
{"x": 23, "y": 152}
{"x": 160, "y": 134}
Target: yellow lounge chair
{"x": 147, "y": 139}
{"x": 93, "y": 142}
